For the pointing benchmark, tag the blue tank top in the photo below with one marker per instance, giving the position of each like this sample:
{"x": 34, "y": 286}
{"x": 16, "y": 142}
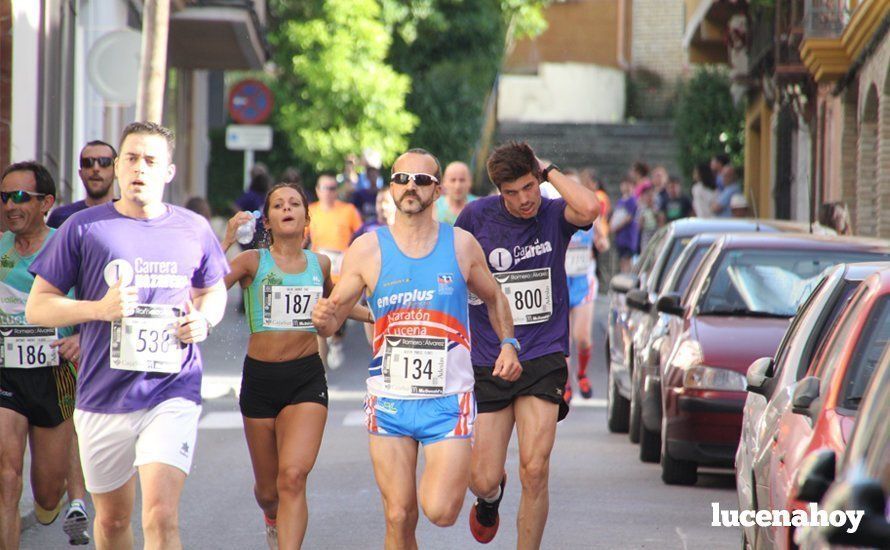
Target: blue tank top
{"x": 421, "y": 337}
{"x": 276, "y": 300}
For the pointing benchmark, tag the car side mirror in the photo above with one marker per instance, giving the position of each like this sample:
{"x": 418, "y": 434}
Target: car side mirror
{"x": 806, "y": 391}
{"x": 758, "y": 373}
{"x": 624, "y": 282}
{"x": 863, "y": 494}
{"x": 815, "y": 475}
{"x": 638, "y": 299}
{"x": 670, "y": 304}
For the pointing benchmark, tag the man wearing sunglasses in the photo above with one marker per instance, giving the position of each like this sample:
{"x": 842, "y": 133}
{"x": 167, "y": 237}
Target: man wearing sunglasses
{"x": 524, "y": 238}
{"x": 420, "y": 389}
{"x": 97, "y": 175}
{"x": 36, "y": 373}
{"x": 149, "y": 286}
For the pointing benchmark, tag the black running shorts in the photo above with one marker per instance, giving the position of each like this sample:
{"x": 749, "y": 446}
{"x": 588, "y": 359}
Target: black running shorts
{"x": 543, "y": 377}
{"x": 267, "y": 388}
{"x": 45, "y": 395}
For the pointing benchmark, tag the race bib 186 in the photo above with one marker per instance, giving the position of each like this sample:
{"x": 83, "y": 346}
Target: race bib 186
{"x": 289, "y": 306}
{"x": 146, "y": 341}
{"x": 530, "y": 295}
{"x": 415, "y": 365}
{"x": 28, "y": 347}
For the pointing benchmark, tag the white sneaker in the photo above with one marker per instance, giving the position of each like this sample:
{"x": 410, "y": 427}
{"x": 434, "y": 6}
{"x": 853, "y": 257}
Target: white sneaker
{"x": 77, "y": 521}
{"x": 335, "y": 355}
{"x": 272, "y": 536}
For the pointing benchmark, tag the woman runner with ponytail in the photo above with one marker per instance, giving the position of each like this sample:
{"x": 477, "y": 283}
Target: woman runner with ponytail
{"x": 284, "y": 394}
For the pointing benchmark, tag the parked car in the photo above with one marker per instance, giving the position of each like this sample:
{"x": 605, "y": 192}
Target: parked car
{"x": 736, "y": 309}
{"x": 646, "y": 378}
{"x": 863, "y": 479}
{"x": 770, "y": 380}
{"x": 648, "y": 274}
{"x": 825, "y": 402}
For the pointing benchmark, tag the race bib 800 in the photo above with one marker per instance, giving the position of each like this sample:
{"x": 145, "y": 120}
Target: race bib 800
{"x": 530, "y": 295}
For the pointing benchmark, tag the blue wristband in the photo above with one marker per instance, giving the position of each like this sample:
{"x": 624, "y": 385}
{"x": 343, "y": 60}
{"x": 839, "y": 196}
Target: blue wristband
{"x": 513, "y": 342}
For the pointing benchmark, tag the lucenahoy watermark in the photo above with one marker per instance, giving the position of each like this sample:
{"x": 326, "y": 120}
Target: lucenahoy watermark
{"x": 811, "y": 517}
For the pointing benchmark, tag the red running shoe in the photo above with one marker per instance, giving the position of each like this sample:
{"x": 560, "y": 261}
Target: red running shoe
{"x": 586, "y": 388}
{"x": 484, "y": 518}
{"x": 567, "y": 394}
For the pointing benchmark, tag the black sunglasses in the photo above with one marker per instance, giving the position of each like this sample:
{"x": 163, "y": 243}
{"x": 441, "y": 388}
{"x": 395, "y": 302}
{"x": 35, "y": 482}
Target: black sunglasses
{"x": 19, "y": 197}
{"x": 402, "y": 178}
{"x": 88, "y": 162}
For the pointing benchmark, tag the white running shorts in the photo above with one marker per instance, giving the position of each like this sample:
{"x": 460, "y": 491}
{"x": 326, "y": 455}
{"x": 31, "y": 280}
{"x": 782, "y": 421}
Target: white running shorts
{"x": 112, "y": 446}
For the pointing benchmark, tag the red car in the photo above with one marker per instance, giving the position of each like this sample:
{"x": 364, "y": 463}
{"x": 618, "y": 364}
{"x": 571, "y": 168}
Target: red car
{"x": 825, "y": 402}
{"x": 736, "y": 310}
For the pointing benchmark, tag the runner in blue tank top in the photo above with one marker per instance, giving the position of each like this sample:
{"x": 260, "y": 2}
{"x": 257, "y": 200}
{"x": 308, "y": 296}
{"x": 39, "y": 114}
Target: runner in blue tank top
{"x": 418, "y": 274}
{"x": 284, "y": 391}
{"x": 524, "y": 237}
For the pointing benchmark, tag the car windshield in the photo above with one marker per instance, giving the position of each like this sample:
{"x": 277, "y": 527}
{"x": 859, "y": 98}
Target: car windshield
{"x": 676, "y": 249}
{"x": 872, "y": 344}
{"x": 767, "y": 282}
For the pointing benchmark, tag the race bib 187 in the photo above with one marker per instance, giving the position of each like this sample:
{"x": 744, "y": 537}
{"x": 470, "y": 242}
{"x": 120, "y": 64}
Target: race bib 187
{"x": 289, "y": 306}
{"x": 146, "y": 341}
{"x": 530, "y": 294}
{"x": 28, "y": 347}
{"x": 415, "y": 365}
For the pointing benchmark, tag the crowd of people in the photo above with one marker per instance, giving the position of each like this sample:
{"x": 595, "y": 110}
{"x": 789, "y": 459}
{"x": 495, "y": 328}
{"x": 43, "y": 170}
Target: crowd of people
{"x": 106, "y": 299}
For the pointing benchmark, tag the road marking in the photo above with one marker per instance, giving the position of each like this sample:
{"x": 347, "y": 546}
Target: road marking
{"x": 682, "y": 536}
{"x": 589, "y": 403}
{"x": 227, "y": 420}
{"x": 354, "y": 418}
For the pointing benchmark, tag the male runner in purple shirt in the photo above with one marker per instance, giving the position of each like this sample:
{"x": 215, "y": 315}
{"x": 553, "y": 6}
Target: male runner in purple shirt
{"x": 524, "y": 237}
{"x": 149, "y": 286}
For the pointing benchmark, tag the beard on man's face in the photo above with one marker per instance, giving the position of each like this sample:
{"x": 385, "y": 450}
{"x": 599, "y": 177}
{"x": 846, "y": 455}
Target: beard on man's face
{"x": 412, "y": 194}
{"x": 97, "y": 188}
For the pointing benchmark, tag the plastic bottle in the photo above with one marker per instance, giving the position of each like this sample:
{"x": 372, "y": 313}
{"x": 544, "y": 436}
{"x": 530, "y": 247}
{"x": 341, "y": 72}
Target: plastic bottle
{"x": 244, "y": 233}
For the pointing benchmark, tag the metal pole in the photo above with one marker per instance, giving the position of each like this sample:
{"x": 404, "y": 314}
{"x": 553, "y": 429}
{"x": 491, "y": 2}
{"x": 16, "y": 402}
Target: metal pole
{"x": 152, "y": 77}
{"x": 248, "y": 164}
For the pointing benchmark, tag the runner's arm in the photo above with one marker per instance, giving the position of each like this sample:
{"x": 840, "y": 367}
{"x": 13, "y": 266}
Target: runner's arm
{"x": 49, "y": 307}
{"x": 243, "y": 268}
{"x": 582, "y": 206}
{"x": 329, "y": 313}
{"x": 359, "y": 312}
{"x": 211, "y": 301}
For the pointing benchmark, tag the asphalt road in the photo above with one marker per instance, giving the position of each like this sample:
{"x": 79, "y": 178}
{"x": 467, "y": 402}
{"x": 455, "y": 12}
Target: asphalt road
{"x": 601, "y": 495}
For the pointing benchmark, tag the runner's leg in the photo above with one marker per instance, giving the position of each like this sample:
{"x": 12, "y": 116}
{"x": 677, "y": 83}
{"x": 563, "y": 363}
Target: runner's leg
{"x": 13, "y": 435}
{"x": 395, "y": 468}
{"x": 492, "y": 433}
{"x": 161, "y": 486}
{"x": 299, "y": 430}
{"x": 263, "y": 449}
{"x": 50, "y": 459}
{"x": 112, "y": 527}
{"x": 536, "y": 431}
{"x": 446, "y": 476}
{"x": 76, "y": 487}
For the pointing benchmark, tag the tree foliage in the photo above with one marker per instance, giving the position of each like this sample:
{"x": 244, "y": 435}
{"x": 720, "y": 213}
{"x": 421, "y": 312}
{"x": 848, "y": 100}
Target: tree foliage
{"x": 706, "y": 120}
{"x": 336, "y": 93}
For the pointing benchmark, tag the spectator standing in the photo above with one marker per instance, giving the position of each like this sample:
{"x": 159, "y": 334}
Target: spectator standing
{"x": 647, "y": 217}
{"x": 704, "y": 190}
{"x": 456, "y": 184}
{"x": 720, "y": 205}
{"x": 677, "y": 205}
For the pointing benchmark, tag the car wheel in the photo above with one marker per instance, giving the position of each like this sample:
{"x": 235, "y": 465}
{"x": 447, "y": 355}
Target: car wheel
{"x": 674, "y": 471}
{"x": 618, "y": 408}
{"x": 636, "y": 412}
{"x": 650, "y": 445}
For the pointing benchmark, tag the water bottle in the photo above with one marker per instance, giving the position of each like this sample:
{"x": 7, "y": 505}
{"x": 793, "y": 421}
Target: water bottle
{"x": 244, "y": 233}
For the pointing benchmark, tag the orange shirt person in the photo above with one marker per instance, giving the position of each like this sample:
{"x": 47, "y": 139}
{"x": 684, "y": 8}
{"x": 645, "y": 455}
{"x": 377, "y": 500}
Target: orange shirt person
{"x": 332, "y": 223}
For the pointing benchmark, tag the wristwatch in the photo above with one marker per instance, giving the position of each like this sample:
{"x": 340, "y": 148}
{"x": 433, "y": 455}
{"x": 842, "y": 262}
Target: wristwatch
{"x": 546, "y": 172}
{"x": 513, "y": 342}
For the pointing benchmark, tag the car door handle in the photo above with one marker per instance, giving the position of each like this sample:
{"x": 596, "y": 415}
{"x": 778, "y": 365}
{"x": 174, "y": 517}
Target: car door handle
{"x": 782, "y": 458}
{"x": 776, "y": 437}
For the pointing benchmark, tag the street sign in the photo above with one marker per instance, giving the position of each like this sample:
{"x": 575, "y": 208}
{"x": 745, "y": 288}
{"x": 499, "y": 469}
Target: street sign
{"x": 113, "y": 66}
{"x": 250, "y": 102}
{"x": 251, "y": 137}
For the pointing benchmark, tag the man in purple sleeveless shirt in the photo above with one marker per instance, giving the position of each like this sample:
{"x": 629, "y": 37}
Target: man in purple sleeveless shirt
{"x": 524, "y": 237}
{"x": 149, "y": 286}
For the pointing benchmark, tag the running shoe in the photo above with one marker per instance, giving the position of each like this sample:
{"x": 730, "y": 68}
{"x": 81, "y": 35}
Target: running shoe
{"x": 484, "y": 518}
{"x": 272, "y": 536}
{"x": 567, "y": 394}
{"x": 335, "y": 354}
{"x": 585, "y": 387}
{"x": 77, "y": 521}
{"x": 46, "y": 517}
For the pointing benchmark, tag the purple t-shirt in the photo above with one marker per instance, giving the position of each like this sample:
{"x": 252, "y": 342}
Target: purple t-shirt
{"x": 167, "y": 256}
{"x": 514, "y": 244}
{"x": 58, "y": 216}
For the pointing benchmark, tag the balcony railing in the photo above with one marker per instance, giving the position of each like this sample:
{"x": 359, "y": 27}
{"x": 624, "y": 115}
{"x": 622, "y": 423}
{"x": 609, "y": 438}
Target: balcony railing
{"x": 827, "y": 18}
